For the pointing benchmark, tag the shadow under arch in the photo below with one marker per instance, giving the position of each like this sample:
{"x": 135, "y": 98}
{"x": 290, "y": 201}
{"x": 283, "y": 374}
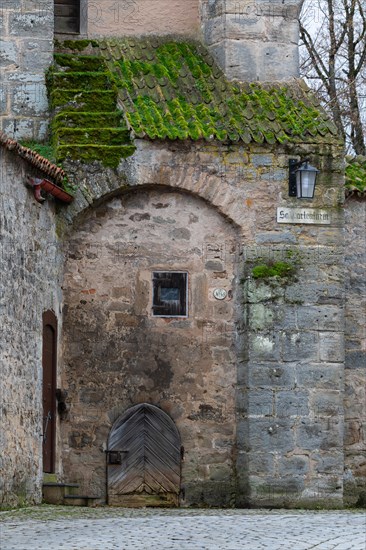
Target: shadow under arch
{"x": 126, "y": 359}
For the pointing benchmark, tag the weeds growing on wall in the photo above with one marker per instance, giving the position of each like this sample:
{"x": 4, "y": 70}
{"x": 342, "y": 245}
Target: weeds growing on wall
{"x": 284, "y": 270}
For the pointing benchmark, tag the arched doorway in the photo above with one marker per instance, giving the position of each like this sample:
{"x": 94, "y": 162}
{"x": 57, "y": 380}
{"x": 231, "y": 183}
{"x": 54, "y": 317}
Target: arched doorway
{"x": 143, "y": 459}
{"x": 152, "y": 294}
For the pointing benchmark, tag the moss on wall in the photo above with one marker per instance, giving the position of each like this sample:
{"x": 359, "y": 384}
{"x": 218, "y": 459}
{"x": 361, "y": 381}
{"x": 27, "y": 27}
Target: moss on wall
{"x": 276, "y": 269}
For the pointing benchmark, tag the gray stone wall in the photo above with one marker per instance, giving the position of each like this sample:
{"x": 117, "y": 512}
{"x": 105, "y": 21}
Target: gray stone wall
{"x": 290, "y": 369}
{"x": 26, "y": 48}
{"x": 29, "y": 284}
{"x": 355, "y": 344}
{"x": 253, "y": 40}
{"x": 290, "y": 399}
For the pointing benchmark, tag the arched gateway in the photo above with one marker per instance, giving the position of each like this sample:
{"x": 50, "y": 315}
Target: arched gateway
{"x": 143, "y": 459}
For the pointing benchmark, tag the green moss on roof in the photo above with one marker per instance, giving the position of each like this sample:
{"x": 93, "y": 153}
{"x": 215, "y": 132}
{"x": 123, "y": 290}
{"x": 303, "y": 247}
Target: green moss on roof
{"x": 356, "y": 173}
{"x": 174, "y": 90}
{"x": 170, "y": 90}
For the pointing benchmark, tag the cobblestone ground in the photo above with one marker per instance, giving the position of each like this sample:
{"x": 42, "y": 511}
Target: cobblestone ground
{"x": 61, "y": 528}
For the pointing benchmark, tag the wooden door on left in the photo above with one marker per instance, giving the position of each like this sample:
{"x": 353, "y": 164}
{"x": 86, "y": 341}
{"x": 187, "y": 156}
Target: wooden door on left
{"x": 49, "y": 361}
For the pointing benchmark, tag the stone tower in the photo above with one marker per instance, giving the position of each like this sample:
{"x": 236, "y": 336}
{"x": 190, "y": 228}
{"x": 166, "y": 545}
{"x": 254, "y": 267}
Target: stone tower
{"x": 26, "y": 48}
{"x": 253, "y": 39}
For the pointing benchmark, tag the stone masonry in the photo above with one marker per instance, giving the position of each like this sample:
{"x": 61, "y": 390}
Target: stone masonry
{"x": 355, "y": 349}
{"x": 255, "y": 383}
{"x": 289, "y": 387}
{"x": 116, "y": 354}
{"x": 253, "y": 40}
{"x": 30, "y": 268}
{"x": 26, "y": 48}
{"x": 141, "y": 17}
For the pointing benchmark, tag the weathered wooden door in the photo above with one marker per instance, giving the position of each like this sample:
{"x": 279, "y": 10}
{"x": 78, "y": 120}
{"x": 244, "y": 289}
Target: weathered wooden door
{"x": 67, "y": 16}
{"x": 144, "y": 459}
{"x": 49, "y": 390}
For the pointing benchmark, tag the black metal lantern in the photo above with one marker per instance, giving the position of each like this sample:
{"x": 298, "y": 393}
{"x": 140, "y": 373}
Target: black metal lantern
{"x": 302, "y": 179}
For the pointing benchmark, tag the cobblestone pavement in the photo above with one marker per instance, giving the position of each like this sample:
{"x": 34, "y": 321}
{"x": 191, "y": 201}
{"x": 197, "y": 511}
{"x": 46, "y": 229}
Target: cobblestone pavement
{"x": 64, "y": 528}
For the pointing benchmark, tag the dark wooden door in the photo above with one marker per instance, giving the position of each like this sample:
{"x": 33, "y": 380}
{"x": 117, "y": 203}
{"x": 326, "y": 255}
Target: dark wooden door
{"x": 49, "y": 390}
{"x": 144, "y": 459}
{"x": 67, "y": 16}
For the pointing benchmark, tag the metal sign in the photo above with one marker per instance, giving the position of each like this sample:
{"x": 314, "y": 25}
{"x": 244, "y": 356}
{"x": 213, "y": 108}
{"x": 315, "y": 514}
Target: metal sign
{"x": 314, "y": 216}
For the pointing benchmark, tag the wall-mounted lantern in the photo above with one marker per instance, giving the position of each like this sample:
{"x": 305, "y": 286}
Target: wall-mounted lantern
{"x": 302, "y": 179}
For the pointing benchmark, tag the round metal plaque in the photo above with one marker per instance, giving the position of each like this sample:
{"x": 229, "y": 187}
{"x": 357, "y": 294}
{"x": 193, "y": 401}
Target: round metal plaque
{"x": 220, "y": 293}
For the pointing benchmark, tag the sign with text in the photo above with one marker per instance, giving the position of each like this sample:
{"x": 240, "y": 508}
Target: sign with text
{"x": 303, "y": 215}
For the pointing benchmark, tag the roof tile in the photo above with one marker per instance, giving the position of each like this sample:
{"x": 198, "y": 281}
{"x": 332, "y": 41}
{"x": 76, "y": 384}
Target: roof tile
{"x": 174, "y": 90}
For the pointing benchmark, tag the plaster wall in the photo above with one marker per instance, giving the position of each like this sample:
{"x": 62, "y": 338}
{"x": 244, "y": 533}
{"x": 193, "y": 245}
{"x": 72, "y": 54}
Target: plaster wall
{"x": 355, "y": 344}
{"x": 30, "y": 262}
{"x": 26, "y": 49}
{"x": 117, "y": 354}
{"x": 142, "y": 17}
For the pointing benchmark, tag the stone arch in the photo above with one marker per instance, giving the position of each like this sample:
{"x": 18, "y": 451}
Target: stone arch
{"x": 116, "y": 352}
{"x": 155, "y": 165}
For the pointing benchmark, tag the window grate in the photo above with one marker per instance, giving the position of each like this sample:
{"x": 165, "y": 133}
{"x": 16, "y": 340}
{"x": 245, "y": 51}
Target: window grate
{"x": 170, "y": 294}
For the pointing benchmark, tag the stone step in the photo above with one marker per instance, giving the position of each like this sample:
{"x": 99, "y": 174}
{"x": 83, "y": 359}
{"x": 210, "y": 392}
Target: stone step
{"x": 49, "y": 478}
{"x": 80, "y": 500}
{"x": 54, "y": 493}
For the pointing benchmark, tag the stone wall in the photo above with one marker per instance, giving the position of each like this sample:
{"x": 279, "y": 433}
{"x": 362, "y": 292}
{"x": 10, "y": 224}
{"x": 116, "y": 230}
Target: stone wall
{"x": 291, "y": 393}
{"x": 355, "y": 344}
{"x": 29, "y": 284}
{"x": 141, "y": 17}
{"x": 117, "y": 354}
{"x": 289, "y": 389}
{"x": 253, "y": 40}
{"x": 26, "y": 48}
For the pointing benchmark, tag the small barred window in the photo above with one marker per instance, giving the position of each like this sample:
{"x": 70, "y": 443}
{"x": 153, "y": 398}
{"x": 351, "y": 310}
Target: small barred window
{"x": 170, "y": 294}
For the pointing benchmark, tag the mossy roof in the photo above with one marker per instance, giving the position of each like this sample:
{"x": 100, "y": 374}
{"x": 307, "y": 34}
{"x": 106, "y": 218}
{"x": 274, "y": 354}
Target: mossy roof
{"x": 105, "y": 93}
{"x": 175, "y": 90}
{"x": 356, "y": 175}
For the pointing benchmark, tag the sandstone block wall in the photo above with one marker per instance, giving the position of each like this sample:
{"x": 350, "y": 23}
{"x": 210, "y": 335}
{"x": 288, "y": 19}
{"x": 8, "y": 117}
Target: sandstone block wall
{"x": 253, "y": 40}
{"x": 288, "y": 445}
{"x": 30, "y": 266}
{"x": 26, "y": 49}
{"x": 355, "y": 344}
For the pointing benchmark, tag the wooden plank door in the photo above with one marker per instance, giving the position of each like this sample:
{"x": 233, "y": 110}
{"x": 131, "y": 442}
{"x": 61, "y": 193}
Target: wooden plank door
{"x": 144, "y": 459}
{"x": 67, "y": 16}
{"x": 49, "y": 390}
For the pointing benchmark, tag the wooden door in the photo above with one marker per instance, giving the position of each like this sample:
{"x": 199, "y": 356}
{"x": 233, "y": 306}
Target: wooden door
{"x": 49, "y": 390}
{"x": 67, "y": 16}
{"x": 143, "y": 459}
